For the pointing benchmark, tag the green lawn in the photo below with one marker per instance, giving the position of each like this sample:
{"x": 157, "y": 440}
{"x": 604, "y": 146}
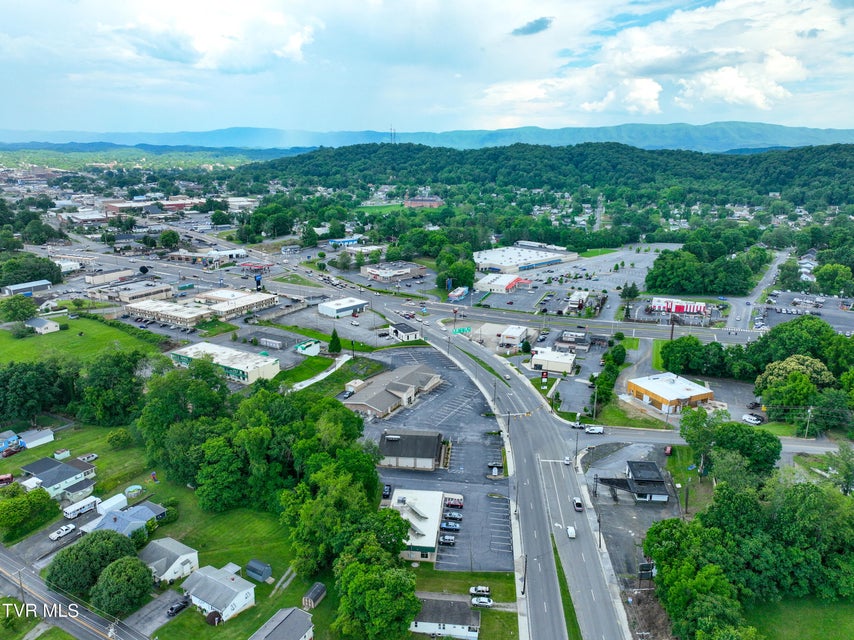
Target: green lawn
{"x": 657, "y": 363}
{"x": 780, "y": 428}
{"x": 807, "y": 619}
{"x": 21, "y": 625}
{"x": 700, "y": 490}
{"x": 55, "y": 633}
{"x": 592, "y": 253}
{"x": 306, "y": 369}
{"x": 295, "y": 278}
{"x": 211, "y": 328}
{"x": 630, "y": 343}
{"x": 613, "y": 414}
{"x": 96, "y": 337}
{"x": 358, "y": 367}
{"x": 429, "y": 579}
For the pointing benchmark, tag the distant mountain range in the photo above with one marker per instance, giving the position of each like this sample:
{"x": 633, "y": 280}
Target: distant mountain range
{"x": 717, "y": 137}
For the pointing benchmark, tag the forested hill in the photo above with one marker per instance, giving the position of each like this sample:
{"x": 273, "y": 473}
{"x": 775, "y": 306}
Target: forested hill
{"x": 821, "y": 173}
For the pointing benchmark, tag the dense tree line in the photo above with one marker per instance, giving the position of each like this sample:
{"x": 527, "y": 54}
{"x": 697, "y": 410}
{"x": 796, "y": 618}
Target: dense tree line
{"x": 801, "y": 369}
{"x": 784, "y": 539}
{"x": 17, "y": 267}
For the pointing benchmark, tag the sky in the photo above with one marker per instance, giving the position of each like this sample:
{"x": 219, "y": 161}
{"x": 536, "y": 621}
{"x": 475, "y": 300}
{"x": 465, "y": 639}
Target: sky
{"x": 422, "y": 65}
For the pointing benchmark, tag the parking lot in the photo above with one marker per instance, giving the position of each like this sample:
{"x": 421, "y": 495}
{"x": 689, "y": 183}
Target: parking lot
{"x": 456, "y": 409}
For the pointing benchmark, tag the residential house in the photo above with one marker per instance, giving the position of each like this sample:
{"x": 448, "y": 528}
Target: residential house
{"x": 126, "y": 521}
{"x": 42, "y": 325}
{"x": 169, "y": 559}
{"x": 446, "y": 619}
{"x": 286, "y": 624}
{"x": 220, "y": 590}
{"x": 72, "y": 480}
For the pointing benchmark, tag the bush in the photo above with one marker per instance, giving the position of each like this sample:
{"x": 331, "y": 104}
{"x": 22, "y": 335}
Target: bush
{"x": 619, "y": 336}
{"x": 170, "y": 502}
{"x": 170, "y": 516}
{"x": 120, "y": 439}
{"x": 63, "y": 326}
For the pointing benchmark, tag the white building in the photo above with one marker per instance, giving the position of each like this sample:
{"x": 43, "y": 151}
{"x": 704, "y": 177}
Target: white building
{"x": 108, "y": 276}
{"x": 230, "y": 303}
{"x": 499, "y": 283}
{"x": 220, "y": 590}
{"x": 446, "y": 619}
{"x": 42, "y": 325}
{"x": 423, "y": 511}
{"x": 543, "y": 359}
{"x": 182, "y": 315}
{"x": 169, "y": 559}
{"x": 514, "y": 335}
{"x": 516, "y": 259}
{"x": 341, "y": 307}
{"x": 241, "y": 366}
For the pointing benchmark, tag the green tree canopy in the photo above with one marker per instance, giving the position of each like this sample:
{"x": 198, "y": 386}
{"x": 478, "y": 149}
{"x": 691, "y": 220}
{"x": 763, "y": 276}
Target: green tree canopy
{"x": 18, "y": 308}
{"x": 122, "y": 586}
{"x": 76, "y": 568}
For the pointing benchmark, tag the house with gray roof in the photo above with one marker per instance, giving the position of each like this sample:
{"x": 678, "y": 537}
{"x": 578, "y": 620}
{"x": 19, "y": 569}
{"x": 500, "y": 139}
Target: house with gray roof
{"x": 169, "y": 559}
{"x": 42, "y": 325}
{"x": 219, "y": 590}
{"x": 72, "y": 481}
{"x": 446, "y": 619}
{"x": 126, "y": 521}
{"x": 286, "y": 624}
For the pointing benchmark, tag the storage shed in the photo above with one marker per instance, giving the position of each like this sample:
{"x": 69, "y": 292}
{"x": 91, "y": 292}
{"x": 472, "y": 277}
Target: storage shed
{"x": 314, "y": 596}
{"x": 258, "y": 570}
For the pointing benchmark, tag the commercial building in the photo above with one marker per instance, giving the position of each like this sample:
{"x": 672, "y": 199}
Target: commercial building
{"x": 231, "y": 303}
{"x": 408, "y": 449}
{"x": 341, "y": 307}
{"x": 513, "y": 336}
{"x": 422, "y": 510}
{"x": 577, "y": 301}
{"x": 392, "y": 271}
{"x": 393, "y": 389}
{"x": 25, "y": 288}
{"x": 458, "y": 294}
{"x": 424, "y": 202}
{"x": 130, "y": 292}
{"x": 668, "y": 392}
{"x": 516, "y": 259}
{"x": 673, "y": 305}
{"x": 181, "y": 315}
{"x": 552, "y": 361}
{"x": 500, "y": 283}
{"x": 346, "y": 242}
{"x": 240, "y": 366}
{"x": 109, "y": 276}
{"x": 404, "y": 332}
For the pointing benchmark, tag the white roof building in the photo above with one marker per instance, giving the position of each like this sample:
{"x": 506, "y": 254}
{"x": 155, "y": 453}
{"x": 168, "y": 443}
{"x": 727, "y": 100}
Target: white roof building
{"x": 515, "y": 259}
{"x": 341, "y": 307}
{"x": 241, "y": 366}
{"x": 423, "y": 511}
{"x": 499, "y": 282}
{"x": 551, "y": 360}
{"x": 184, "y": 315}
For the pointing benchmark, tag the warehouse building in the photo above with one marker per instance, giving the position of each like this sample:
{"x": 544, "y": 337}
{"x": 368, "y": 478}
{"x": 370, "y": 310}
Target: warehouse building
{"x": 240, "y": 366}
{"x": 516, "y": 259}
{"x": 130, "y": 292}
{"x": 109, "y": 276}
{"x": 181, "y": 315}
{"x": 341, "y": 307}
{"x": 668, "y": 392}
{"x": 25, "y": 288}
{"x": 231, "y": 303}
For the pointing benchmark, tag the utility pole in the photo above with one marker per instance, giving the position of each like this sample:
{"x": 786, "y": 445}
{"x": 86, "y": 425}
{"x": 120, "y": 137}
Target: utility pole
{"x": 525, "y": 574}
{"x": 809, "y": 416}
{"x": 21, "y": 586}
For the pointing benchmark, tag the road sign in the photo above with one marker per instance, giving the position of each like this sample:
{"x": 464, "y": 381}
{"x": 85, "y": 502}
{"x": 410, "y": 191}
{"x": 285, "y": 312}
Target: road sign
{"x": 462, "y": 330}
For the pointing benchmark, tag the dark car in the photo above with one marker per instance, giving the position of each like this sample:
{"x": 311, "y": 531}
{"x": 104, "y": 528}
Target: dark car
{"x": 387, "y": 491}
{"x": 753, "y": 405}
{"x": 10, "y": 451}
{"x": 177, "y": 607}
{"x": 454, "y": 503}
{"x": 447, "y": 540}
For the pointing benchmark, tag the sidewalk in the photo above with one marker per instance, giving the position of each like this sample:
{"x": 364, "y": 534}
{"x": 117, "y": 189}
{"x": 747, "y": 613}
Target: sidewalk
{"x": 339, "y": 362}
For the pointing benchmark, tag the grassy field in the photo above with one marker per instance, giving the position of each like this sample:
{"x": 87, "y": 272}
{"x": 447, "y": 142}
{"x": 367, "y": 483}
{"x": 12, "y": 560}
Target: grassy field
{"x": 613, "y": 414}
{"x": 21, "y": 625}
{"x": 358, "y": 367}
{"x": 807, "y": 619}
{"x": 657, "y": 363}
{"x": 699, "y": 489}
{"x": 502, "y": 583}
{"x": 55, "y": 633}
{"x": 296, "y": 279}
{"x": 630, "y": 343}
{"x": 780, "y": 428}
{"x": 592, "y": 253}
{"x": 96, "y": 337}
{"x": 306, "y": 369}
{"x": 211, "y": 328}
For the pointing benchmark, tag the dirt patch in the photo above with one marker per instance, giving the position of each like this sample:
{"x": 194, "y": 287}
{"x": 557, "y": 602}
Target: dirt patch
{"x": 647, "y": 619}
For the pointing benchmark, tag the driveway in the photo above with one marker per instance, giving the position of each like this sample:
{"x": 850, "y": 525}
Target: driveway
{"x": 152, "y": 616}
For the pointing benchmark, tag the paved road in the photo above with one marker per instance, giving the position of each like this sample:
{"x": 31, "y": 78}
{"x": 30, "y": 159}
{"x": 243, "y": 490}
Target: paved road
{"x": 57, "y": 609}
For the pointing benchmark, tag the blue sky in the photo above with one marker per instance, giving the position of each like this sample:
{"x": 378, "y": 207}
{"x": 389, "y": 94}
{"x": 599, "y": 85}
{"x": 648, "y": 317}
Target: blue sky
{"x": 422, "y": 65}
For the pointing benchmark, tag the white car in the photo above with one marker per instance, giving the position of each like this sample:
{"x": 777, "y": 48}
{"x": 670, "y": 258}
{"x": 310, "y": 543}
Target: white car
{"x": 480, "y": 590}
{"x": 355, "y": 323}
{"x": 481, "y": 602}
{"x": 599, "y": 430}
{"x": 570, "y": 532}
{"x": 63, "y": 531}
{"x": 749, "y": 419}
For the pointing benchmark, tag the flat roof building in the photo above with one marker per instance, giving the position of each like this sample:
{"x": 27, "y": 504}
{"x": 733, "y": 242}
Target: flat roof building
{"x": 551, "y": 360}
{"x": 129, "y": 292}
{"x": 182, "y": 315}
{"x": 27, "y": 287}
{"x": 408, "y": 449}
{"x": 108, "y": 276}
{"x": 516, "y": 259}
{"x": 392, "y": 271}
{"x": 668, "y": 392}
{"x": 499, "y": 283}
{"x": 423, "y": 511}
{"x": 242, "y": 303}
{"x": 341, "y": 307}
{"x": 240, "y": 366}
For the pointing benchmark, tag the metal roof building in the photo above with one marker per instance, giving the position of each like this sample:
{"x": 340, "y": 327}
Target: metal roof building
{"x": 241, "y": 366}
